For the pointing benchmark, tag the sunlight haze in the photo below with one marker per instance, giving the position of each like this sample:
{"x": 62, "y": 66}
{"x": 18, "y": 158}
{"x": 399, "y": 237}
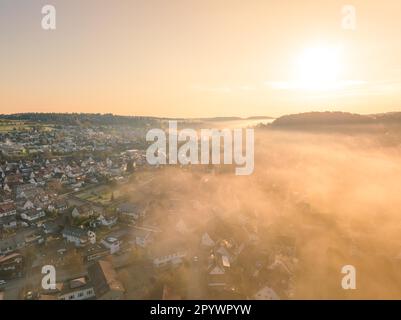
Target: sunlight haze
{"x": 200, "y": 58}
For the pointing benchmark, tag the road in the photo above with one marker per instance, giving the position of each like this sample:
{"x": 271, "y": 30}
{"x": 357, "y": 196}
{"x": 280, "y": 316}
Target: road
{"x": 196, "y": 283}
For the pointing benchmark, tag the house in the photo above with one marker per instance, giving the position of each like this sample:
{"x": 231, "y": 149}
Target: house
{"x": 75, "y": 289}
{"x": 26, "y": 191}
{"x": 7, "y": 208}
{"x": 266, "y": 293}
{"x": 84, "y": 210}
{"x": 111, "y": 243}
{"x": 11, "y": 265}
{"x": 28, "y": 205}
{"x": 14, "y": 179}
{"x": 141, "y": 237}
{"x": 170, "y": 259}
{"x": 34, "y": 238}
{"x": 15, "y": 242}
{"x": 107, "y": 220}
{"x": 169, "y": 294}
{"x": 32, "y": 215}
{"x": 50, "y": 227}
{"x": 76, "y": 235}
{"x": 229, "y": 249}
{"x": 128, "y": 212}
{"x": 105, "y": 282}
{"x": 94, "y": 252}
{"x": 218, "y": 268}
{"x": 8, "y": 213}
{"x": 216, "y": 276}
{"x": 8, "y": 222}
{"x": 207, "y": 241}
{"x": 60, "y": 206}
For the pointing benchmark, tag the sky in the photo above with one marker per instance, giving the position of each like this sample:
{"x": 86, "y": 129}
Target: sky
{"x": 200, "y": 58}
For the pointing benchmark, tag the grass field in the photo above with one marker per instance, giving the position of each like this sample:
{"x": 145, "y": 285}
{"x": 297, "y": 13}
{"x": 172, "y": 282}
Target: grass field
{"x": 11, "y": 125}
{"x": 100, "y": 195}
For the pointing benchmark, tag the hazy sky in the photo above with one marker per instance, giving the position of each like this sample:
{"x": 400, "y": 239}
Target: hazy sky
{"x": 200, "y": 57}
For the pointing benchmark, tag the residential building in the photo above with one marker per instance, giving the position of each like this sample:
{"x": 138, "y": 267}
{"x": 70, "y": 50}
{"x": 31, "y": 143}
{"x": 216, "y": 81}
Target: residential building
{"x": 11, "y": 265}
{"x": 33, "y": 215}
{"x": 128, "y": 211}
{"x": 84, "y": 210}
{"x": 105, "y": 281}
{"x": 171, "y": 259}
{"x": 76, "y": 235}
{"x": 266, "y": 293}
{"x": 112, "y": 244}
{"x": 75, "y": 289}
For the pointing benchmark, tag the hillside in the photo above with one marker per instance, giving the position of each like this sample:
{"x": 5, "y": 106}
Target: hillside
{"x": 81, "y": 119}
{"x": 322, "y": 118}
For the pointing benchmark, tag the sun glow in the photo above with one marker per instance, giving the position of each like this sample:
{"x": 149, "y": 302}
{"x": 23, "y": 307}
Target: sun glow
{"x": 319, "y": 68}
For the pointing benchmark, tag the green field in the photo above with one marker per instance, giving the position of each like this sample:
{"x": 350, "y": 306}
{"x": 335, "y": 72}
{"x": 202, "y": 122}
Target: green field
{"x": 100, "y": 195}
{"x": 11, "y": 125}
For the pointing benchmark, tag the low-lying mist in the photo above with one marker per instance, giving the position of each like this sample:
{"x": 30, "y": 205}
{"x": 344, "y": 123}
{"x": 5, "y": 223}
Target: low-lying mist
{"x": 337, "y": 195}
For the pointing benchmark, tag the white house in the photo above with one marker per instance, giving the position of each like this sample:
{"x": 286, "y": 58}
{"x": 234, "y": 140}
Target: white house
{"x": 28, "y": 205}
{"x": 175, "y": 258}
{"x": 76, "y": 289}
{"x": 108, "y": 221}
{"x": 112, "y": 244}
{"x": 32, "y": 215}
{"x": 76, "y": 235}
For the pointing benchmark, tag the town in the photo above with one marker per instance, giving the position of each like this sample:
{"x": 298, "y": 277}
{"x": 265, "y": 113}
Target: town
{"x": 188, "y": 153}
{"x": 63, "y": 181}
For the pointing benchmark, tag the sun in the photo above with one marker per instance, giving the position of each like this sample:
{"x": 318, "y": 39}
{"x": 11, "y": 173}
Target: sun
{"x": 318, "y": 68}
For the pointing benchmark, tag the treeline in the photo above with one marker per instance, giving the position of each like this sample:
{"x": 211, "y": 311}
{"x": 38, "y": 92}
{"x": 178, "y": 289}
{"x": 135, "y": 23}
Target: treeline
{"x": 82, "y": 119}
{"x": 336, "y": 118}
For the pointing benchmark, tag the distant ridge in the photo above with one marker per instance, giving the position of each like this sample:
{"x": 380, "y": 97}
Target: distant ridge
{"x": 106, "y": 119}
{"x": 81, "y": 118}
{"x": 306, "y": 119}
{"x": 235, "y": 118}
{"x": 327, "y": 118}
